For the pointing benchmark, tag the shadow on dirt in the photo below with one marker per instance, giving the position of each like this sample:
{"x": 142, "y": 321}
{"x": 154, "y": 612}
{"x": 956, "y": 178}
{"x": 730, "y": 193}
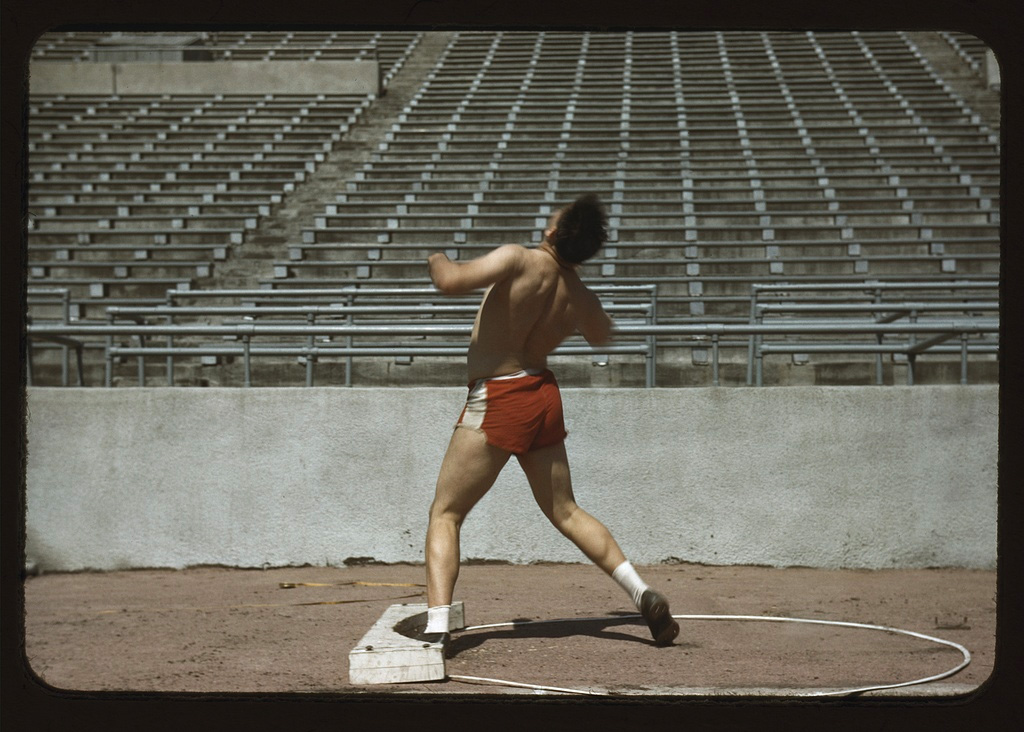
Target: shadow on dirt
{"x": 598, "y": 627}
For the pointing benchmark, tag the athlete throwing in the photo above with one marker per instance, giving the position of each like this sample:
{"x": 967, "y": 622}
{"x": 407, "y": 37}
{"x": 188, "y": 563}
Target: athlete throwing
{"x": 535, "y": 300}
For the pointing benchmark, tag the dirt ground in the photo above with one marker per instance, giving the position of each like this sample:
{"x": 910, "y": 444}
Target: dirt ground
{"x": 214, "y": 629}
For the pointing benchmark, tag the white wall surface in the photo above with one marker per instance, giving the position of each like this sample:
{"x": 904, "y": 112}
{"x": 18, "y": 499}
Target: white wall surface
{"x": 862, "y": 477}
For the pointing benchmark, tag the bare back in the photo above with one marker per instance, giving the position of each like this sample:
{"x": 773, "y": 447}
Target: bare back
{"x": 525, "y": 315}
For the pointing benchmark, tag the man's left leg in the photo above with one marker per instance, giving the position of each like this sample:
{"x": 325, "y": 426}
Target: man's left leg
{"x": 547, "y": 470}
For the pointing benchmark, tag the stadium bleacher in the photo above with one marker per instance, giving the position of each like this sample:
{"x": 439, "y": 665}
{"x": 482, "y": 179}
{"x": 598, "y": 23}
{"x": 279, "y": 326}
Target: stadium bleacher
{"x": 391, "y": 48}
{"x": 970, "y": 48}
{"x": 725, "y": 160}
{"x": 163, "y": 176}
{"x": 780, "y": 153}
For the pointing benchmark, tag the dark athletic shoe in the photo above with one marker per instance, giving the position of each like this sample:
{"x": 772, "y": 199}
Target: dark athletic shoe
{"x": 654, "y": 608}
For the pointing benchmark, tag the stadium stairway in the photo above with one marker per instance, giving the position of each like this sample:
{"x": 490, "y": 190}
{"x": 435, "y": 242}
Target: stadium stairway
{"x": 968, "y": 83}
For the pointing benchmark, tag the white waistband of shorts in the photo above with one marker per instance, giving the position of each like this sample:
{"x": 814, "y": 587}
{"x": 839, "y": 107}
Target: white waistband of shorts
{"x": 515, "y": 375}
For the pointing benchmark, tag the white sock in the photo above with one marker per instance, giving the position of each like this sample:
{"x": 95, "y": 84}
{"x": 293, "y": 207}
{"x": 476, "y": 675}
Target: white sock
{"x": 630, "y": 581}
{"x": 437, "y": 619}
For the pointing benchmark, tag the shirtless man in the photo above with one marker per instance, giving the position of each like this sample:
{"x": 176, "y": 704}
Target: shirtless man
{"x": 535, "y": 300}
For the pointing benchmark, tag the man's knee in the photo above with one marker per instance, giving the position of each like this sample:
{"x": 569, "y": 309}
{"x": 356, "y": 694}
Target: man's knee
{"x": 561, "y": 514}
{"x": 443, "y": 512}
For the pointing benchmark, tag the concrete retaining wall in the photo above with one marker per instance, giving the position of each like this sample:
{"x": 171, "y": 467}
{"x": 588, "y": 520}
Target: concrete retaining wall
{"x": 817, "y": 476}
{"x": 57, "y": 78}
{"x": 220, "y": 77}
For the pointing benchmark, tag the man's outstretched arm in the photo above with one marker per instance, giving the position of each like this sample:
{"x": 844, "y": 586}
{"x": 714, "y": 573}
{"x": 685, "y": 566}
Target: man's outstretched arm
{"x": 592, "y": 321}
{"x": 458, "y": 278}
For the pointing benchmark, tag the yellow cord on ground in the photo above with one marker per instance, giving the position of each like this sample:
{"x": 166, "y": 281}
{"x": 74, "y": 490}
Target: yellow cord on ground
{"x": 279, "y": 604}
{"x": 290, "y": 585}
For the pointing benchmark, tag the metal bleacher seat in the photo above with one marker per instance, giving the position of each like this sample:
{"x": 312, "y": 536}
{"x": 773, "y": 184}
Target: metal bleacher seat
{"x": 129, "y": 186}
{"x": 724, "y": 159}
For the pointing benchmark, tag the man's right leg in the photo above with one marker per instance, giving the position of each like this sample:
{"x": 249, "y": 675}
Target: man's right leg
{"x": 469, "y": 469}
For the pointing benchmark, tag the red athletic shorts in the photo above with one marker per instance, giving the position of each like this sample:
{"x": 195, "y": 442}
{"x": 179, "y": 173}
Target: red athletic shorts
{"x": 518, "y": 412}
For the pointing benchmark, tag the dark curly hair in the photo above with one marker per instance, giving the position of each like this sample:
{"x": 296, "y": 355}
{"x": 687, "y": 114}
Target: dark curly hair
{"x": 581, "y": 229}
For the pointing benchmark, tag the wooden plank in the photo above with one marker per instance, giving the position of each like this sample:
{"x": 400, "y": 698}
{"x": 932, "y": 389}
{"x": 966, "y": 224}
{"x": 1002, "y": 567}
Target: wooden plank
{"x": 389, "y": 654}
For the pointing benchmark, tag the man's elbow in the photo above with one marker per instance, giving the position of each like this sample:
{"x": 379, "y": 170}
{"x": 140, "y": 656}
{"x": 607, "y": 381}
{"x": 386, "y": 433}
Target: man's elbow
{"x": 601, "y": 335}
{"x": 441, "y": 275}
{"x": 444, "y": 285}
{"x": 450, "y": 284}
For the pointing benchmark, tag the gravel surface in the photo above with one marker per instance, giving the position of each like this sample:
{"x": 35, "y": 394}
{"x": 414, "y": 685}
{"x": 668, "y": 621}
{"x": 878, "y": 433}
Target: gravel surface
{"x": 213, "y": 629}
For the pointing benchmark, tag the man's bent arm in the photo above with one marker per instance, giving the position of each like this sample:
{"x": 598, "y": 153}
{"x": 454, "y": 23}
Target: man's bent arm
{"x": 593, "y": 322}
{"x": 458, "y": 278}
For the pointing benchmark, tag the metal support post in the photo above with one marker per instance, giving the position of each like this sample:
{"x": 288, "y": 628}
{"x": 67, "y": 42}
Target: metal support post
{"x": 170, "y": 340}
{"x": 911, "y": 356}
{"x": 649, "y": 356}
{"x": 879, "y": 338}
{"x": 750, "y": 339}
{"x": 653, "y": 345}
{"x": 66, "y": 316}
{"x": 714, "y": 359}
{"x": 170, "y": 359}
{"x": 879, "y": 380}
{"x": 141, "y": 361}
{"x": 109, "y": 375}
{"x": 759, "y": 353}
{"x": 350, "y": 300}
{"x": 963, "y": 359}
{"x": 247, "y": 360}
{"x": 78, "y": 359}
{"x": 311, "y": 342}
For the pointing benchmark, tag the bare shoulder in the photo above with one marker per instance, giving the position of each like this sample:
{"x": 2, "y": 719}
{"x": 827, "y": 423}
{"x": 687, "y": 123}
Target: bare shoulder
{"x": 513, "y": 257}
{"x": 512, "y": 250}
{"x": 453, "y": 278}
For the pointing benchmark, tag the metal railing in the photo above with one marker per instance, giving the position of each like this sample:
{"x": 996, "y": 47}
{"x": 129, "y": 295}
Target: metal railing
{"x": 62, "y": 298}
{"x": 383, "y": 315}
{"x": 344, "y": 304}
{"x": 886, "y": 311}
{"x": 634, "y": 338}
{"x": 265, "y": 303}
